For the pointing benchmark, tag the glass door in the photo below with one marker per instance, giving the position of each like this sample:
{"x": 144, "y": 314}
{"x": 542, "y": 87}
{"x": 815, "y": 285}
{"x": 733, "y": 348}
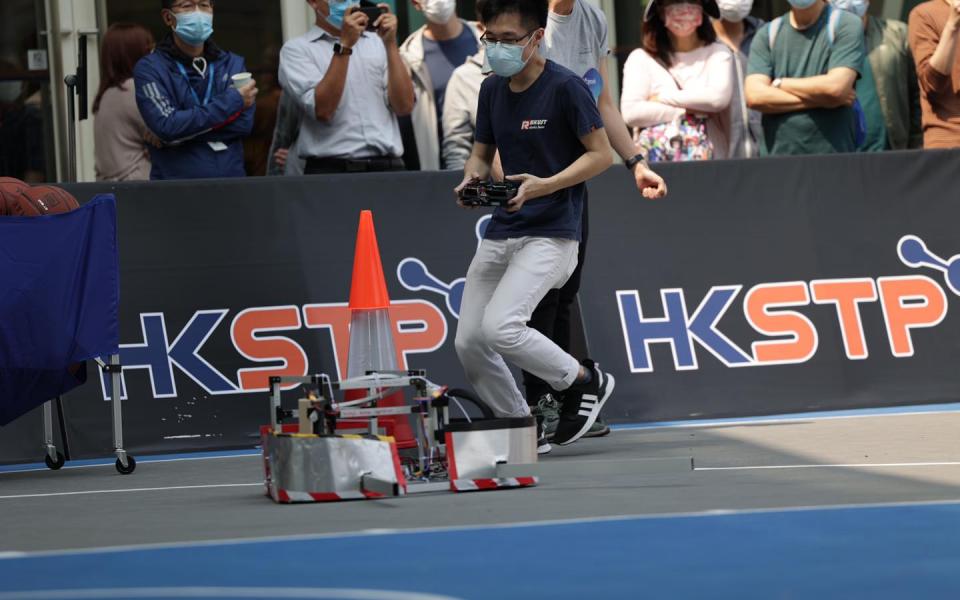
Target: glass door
{"x": 26, "y": 116}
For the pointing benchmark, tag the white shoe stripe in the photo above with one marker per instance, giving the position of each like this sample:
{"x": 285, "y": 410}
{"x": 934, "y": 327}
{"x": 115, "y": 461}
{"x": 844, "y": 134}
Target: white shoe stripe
{"x": 585, "y": 413}
{"x": 593, "y": 397}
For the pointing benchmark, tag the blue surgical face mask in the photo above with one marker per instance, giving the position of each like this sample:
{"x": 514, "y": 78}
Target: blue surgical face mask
{"x": 506, "y": 60}
{"x": 338, "y": 8}
{"x": 857, "y": 7}
{"x": 195, "y": 27}
{"x": 802, "y": 4}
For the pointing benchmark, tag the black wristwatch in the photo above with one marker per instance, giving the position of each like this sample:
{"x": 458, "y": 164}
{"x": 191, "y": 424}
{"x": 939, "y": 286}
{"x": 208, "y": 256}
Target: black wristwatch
{"x": 342, "y": 50}
{"x": 630, "y": 164}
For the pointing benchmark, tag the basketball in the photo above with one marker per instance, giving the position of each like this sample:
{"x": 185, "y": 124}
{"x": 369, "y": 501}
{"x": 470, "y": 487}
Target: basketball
{"x": 52, "y": 200}
{"x": 18, "y": 199}
{"x": 10, "y": 190}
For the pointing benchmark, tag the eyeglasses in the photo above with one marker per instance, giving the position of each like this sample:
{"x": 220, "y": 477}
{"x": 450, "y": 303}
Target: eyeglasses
{"x": 486, "y": 39}
{"x": 205, "y": 5}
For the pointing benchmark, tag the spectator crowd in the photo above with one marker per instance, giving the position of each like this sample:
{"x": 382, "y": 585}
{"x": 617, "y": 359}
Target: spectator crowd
{"x": 709, "y": 81}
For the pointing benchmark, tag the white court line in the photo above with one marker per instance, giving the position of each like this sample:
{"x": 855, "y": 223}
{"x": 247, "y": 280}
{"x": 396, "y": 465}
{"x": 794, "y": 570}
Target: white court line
{"x": 129, "y": 490}
{"x": 768, "y": 421}
{"x": 461, "y": 528}
{"x": 694, "y": 424}
{"x": 739, "y": 468}
{"x": 837, "y": 466}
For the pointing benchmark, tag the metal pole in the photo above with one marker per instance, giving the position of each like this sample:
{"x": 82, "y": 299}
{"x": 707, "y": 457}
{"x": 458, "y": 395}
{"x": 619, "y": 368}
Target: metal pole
{"x": 275, "y": 404}
{"x": 71, "y": 82}
{"x": 62, "y": 421}
{"x": 48, "y": 446}
{"x": 116, "y": 398}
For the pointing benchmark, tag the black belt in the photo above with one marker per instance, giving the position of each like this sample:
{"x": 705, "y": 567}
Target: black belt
{"x": 354, "y": 165}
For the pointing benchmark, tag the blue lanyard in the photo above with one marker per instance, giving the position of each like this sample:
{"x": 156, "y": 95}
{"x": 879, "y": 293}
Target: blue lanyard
{"x": 209, "y": 94}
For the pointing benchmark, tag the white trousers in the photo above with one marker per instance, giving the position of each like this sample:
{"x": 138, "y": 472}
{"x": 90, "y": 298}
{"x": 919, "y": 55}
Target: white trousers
{"x": 506, "y": 281}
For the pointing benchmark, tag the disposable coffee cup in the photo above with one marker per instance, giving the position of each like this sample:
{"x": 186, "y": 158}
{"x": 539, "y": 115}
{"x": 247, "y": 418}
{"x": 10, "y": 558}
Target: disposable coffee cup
{"x": 241, "y": 79}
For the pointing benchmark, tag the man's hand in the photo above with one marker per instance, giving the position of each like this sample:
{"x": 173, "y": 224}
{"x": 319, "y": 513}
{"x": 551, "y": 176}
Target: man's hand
{"x": 850, "y": 97}
{"x": 386, "y": 25}
{"x": 150, "y": 138}
{"x": 954, "y": 17}
{"x": 354, "y": 24}
{"x": 651, "y": 185}
{"x": 468, "y": 178}
{"x": 280, "y": 157}
{"x": 530, "y": 187}
{"x": 249, "y": 94}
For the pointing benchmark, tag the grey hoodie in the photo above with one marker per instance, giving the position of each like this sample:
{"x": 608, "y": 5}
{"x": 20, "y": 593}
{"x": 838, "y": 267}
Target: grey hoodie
{"x": 460, "y": 111}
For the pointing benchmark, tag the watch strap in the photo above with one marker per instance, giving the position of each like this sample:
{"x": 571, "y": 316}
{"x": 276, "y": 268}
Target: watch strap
{"x": 633, "y": 162}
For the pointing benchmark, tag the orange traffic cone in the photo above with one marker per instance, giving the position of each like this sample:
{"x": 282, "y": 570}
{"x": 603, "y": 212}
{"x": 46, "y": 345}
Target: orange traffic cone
{"x": 371, "y": 330}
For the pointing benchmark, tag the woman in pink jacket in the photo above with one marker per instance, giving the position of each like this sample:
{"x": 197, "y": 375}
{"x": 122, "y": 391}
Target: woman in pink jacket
{"x": 680, "y": 83}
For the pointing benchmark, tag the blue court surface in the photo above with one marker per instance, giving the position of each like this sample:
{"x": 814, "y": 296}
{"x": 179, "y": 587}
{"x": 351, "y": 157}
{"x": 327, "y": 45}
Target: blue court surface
{"x": 896, "y": 551}
{"x": 860, "y": 504}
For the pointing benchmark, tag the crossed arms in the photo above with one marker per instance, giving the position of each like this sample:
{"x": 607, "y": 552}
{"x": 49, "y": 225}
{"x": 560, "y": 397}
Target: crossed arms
{"x": 833, "y": 90}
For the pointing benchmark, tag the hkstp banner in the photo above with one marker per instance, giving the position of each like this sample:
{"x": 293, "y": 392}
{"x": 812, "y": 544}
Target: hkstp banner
{"x": 756, "y": 287}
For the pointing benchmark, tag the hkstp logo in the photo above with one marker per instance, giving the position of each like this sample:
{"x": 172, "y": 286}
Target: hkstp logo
{"x": 907, "y": 303}
{"x": 419, "y": 327}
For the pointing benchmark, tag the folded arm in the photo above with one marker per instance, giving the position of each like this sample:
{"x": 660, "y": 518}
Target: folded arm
{"x": 834, "y": 89}
{"x": 635, "y": 104}
{"x": 712, "y": 94}
{"x": 763, "y": 97}
{"x": 176, "y": 125}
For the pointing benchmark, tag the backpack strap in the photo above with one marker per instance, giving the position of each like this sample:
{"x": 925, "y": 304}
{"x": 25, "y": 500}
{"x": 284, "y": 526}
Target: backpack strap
{"x": 833, "y": 17}
{"x": 773, "y": 30}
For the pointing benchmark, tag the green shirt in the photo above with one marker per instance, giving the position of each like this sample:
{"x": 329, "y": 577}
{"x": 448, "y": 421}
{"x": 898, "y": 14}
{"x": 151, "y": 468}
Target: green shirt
{"x": 876, "y": 138}
{"x": 808, "y": 53}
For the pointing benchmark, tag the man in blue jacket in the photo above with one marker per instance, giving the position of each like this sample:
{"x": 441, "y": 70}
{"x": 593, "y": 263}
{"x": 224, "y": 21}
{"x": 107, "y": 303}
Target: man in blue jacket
{"x": 186, "y": 95}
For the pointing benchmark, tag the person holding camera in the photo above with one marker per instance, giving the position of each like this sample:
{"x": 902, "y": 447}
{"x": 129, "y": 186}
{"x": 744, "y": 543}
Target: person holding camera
{"x": 545, "y": 123}
{"x": 347, "y": 75}
{"x": 187, "y": 97}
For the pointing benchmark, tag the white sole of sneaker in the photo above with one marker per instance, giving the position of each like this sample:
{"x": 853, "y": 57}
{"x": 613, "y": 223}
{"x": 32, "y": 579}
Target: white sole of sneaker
{"x": 544, "y": 449}
{"x": 611, "y": 383}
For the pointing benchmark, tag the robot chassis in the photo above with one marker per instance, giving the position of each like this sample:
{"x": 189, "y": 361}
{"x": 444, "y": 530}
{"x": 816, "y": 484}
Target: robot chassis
{"x": 310, "y": 462}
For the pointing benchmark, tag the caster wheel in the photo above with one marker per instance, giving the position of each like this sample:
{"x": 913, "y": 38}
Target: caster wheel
{"x": 54, "y": 465}
{"x": 130, "y": 468}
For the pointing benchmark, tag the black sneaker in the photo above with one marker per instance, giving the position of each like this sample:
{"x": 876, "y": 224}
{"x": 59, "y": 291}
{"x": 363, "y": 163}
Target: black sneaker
{"x": 582, "y": 404}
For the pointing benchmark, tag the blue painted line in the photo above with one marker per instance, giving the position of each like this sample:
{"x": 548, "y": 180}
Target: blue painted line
{"x": 830, "y": 414}
{"x": 908, "y": 551}
{"x": 103, "y": 462}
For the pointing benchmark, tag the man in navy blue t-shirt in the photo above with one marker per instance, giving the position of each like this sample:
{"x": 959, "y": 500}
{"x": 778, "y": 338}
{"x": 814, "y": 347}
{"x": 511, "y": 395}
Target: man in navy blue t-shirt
{"x": 545, "y": 123}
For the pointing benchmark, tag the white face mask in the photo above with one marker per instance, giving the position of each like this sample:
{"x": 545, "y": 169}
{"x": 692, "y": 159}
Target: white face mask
{"x": 857, "y": 7}
{"x": 438, "y": 11}
{"x": 734, "y": 11}
{"x": 10, "y": 91}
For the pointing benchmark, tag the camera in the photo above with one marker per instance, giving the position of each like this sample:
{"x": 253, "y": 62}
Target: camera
{"x": 372, "y": 11}
{"x": 488, "y": 193}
